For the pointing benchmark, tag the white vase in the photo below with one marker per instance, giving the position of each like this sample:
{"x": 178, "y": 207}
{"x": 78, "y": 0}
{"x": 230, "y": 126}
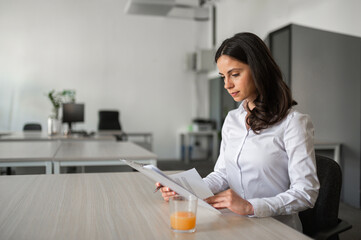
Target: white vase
{"x": 53, "y": 126}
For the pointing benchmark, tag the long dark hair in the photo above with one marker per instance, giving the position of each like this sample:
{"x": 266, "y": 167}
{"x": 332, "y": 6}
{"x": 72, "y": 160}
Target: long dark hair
{"x": 274, "y": 97}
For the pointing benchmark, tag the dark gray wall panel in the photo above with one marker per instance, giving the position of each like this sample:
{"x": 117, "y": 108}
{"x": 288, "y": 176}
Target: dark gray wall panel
{"x": 280, "y": 41}
{"x": 326, "y": 78}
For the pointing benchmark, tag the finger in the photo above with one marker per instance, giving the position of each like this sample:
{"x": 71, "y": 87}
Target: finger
{"x": 166, "y": 194}
{"x": 158, "y": 184}
{"x": 224, "y": 193}
{"x": 220, "y": 202}
{"x": 211, "y": 199}
{"x": 219, "y": 205}
{"x": 169, "y": 194}
{"x": 215, "y": 199}
{"x": 164, "y": 189}
{"x": 221, "y": 194}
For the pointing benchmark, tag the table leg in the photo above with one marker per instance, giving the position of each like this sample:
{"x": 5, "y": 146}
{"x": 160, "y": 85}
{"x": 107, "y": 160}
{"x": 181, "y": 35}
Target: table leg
{"x": 48, "y": 168}
{"x": 56, "y": 168}
{"x": 153, "y": 162}
{"x": 186, "y": 149}
{"x": 183, "y": 147}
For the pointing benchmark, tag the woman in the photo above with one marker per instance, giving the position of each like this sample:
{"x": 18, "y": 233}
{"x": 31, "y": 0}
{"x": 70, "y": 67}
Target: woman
{"x": 266, "y": 165}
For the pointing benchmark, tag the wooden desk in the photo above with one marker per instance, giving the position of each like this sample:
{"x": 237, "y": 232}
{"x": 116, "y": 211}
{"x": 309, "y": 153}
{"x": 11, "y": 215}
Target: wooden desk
{"x": 42, "y": 136}
{"x": 111, "y": 206}
{"x": 28, "y": 154}
{"x": 93, "y": 153}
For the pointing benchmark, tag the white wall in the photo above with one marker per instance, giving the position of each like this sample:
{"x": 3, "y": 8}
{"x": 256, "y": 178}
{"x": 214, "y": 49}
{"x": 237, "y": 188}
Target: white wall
{"x": 264, "y": 16}
{"x": 136, "y": 64}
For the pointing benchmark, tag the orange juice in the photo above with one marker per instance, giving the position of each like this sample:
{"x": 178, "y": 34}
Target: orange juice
{"x": 183, "y": 220}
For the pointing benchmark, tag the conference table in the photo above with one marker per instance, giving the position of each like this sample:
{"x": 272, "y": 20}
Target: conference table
{"x": 28, "y": 154}
{"x": 99, "y": 153}
{"x": 71, "y": 153}
{"x": 43, "y": 136}
{"x": 111, "y": 206}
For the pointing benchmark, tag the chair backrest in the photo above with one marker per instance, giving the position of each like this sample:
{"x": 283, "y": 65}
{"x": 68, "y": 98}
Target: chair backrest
{"x": 109, "y": 120}
{"x": 32, "y": 127}
{"x": 324, "y": 215}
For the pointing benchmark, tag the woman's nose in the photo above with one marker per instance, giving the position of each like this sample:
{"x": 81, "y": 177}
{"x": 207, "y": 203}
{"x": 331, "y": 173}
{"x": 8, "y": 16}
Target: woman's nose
{"x": 228, "y": 83}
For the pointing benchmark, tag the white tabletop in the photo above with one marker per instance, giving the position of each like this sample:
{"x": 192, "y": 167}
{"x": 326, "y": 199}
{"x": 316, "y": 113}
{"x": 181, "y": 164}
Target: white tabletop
{"x": 43, "y": 136}
{"x": 199, "y": 133}
{"x": 28, "y": 151}
{"x": 111, "y": 206}
{"x": 93, "y": 150}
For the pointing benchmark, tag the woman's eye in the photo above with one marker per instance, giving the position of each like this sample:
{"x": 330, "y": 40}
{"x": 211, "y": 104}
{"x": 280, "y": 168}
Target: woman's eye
{"x": 235, "y": 75}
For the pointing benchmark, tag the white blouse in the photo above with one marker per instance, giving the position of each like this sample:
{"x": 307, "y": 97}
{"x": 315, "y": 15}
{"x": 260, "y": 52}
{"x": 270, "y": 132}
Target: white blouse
{"x": 274, "y": 170}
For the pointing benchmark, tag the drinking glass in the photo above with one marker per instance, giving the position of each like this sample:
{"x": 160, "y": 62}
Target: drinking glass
{"x": 183, "y": 211}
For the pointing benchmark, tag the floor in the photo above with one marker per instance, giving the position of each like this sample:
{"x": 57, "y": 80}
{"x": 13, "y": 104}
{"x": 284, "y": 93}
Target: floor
{"x": 352, "y": 216}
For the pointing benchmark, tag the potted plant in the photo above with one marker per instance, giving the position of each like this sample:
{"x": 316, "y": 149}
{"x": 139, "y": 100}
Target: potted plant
{"x": 57, "y": 99}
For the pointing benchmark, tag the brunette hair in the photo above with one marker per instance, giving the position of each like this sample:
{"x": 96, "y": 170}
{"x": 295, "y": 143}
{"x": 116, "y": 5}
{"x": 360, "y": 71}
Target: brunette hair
{"x": 274, "y": 97}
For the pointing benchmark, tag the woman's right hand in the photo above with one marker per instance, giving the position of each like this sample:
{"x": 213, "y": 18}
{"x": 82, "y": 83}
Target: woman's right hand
{"x": 166, "y": 191}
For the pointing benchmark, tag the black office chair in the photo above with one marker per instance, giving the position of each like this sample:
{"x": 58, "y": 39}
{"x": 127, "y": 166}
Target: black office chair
{"x": 109, "y": 120}
{"x": 32, "y": 127}
{"x": 322, "y": 222}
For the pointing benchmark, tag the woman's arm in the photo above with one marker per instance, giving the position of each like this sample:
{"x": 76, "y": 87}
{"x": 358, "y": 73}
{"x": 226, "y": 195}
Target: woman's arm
{"x": 304, "y": 184}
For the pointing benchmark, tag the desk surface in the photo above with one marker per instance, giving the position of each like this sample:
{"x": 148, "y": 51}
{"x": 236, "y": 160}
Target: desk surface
{"x": 200, "y": 133}
{"x": 42, "y": 136}
{"x": 28, "y": 151}
{"x": 88, "y": 151}
{"x": 111, "y": 206}
{"x": 118, "y": 132}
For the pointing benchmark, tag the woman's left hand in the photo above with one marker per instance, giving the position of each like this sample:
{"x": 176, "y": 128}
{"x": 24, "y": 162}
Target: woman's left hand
{"x": 230, "y": 199}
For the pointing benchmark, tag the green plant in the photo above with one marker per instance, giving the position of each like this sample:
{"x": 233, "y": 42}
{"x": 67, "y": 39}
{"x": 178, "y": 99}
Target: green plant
{"x": 57, "y": 98}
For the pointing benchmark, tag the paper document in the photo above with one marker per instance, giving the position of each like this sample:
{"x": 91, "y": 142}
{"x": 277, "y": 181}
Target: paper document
{"x": 193, "y": 182}
{"x": 184, "y": 183}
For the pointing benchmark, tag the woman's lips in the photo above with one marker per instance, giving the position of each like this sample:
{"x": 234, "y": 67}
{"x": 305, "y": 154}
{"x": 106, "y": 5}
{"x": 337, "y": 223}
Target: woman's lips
{"x": 233, "y": 94}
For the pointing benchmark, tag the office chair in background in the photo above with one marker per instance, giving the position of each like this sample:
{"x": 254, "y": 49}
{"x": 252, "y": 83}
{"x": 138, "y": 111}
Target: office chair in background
{"x": 322, "y": 222}
{"x": 32, "y": 127}
{"x": 109, "y": 120}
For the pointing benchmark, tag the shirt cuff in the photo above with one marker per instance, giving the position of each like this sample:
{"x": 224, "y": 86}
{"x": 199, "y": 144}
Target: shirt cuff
{"x": 260, "y": 208}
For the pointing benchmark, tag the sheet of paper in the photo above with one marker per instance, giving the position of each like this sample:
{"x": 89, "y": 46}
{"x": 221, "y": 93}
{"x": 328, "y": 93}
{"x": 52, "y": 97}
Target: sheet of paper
{"x": 157, "y": 175}
{"x": 193, "y": 182}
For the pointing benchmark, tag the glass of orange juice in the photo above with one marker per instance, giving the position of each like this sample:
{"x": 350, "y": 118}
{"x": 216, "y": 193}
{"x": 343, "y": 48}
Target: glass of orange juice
{"x": 183, "y": 211}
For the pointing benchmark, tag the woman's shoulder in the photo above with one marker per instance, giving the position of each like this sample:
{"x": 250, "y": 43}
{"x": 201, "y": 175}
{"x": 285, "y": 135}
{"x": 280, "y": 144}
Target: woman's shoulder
{"x": 295, "y": 114}
{"x": 297, "y": 118}
{"x": 234, "y": 114}
{"x": 235, "y": 111}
